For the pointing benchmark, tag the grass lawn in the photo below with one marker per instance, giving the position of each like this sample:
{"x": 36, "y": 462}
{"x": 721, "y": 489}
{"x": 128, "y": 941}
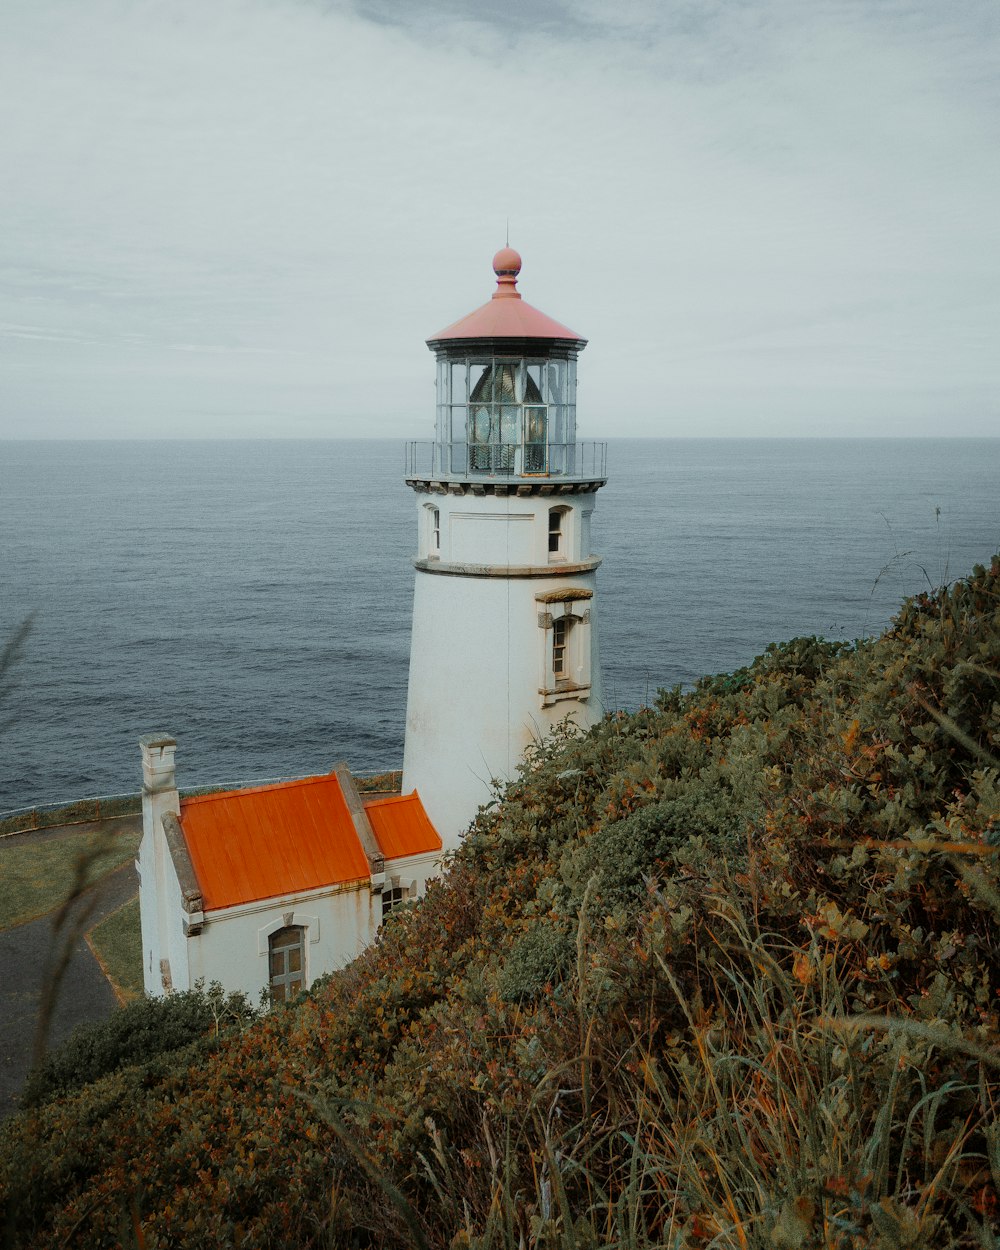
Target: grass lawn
{"x": 36, "y": 876}
{"x": 117, "y": 943}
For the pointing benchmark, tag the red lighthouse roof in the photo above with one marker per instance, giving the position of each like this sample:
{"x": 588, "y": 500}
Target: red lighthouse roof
{"x": 507, "y": 315}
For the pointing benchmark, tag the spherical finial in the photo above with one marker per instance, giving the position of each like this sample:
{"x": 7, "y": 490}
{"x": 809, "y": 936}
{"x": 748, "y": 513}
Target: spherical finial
{"x": 507, "y": 262}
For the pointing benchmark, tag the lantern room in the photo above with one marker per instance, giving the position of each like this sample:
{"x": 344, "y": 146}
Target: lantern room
{"x": 506, "y": 393}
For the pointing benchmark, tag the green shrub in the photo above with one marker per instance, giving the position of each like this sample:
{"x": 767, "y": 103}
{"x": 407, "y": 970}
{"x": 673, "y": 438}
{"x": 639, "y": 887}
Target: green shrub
{"x": 139, "y": 1032}
{"x": 539, "y": 958}
{"x": 623, "y": 856}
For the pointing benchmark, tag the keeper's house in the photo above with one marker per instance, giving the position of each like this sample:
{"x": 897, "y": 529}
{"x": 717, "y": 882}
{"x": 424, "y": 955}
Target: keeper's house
{"x": 266, "y": 889}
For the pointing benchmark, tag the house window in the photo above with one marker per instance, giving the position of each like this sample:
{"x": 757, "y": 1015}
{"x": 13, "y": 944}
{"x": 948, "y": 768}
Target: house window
{"x": 392, "y": 896}
{"x": 286, "y": 955}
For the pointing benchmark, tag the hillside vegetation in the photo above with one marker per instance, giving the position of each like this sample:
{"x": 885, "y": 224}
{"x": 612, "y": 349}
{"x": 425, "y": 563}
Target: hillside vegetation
{"x": 721, "y": 973}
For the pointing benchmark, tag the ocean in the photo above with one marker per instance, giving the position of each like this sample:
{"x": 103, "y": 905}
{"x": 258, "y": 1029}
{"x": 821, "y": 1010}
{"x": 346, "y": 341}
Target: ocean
{"x": 253, "y": 598}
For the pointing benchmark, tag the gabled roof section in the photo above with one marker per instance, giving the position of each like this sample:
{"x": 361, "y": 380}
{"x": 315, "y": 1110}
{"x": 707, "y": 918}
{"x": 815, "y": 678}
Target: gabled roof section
{"x": 247, "y": 845}
{"x": 506, "y": 316}
{"x": 401, "y": 825}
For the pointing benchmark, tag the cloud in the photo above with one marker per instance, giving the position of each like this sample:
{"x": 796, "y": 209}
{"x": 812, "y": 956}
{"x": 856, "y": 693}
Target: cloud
{"x": 748, "y": 208}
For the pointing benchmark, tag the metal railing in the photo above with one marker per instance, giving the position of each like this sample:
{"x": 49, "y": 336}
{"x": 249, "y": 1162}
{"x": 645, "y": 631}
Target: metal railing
{"x": 497, "y": 459}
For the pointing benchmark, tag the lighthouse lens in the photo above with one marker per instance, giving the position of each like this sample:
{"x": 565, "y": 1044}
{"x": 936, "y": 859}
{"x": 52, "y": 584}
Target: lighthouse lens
{"x": 499, "y": 409}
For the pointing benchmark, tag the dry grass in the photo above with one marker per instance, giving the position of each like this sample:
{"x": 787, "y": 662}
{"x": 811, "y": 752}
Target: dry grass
{"x": 117, "y": 946}
{"x": 36, "y": 876}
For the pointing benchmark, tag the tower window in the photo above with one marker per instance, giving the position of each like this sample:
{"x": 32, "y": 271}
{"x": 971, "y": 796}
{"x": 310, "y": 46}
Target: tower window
{"x": 556, "y": 533}
{"x": 435, "y": 529}
{"x": 560, "y": 636}
{"x": 286, "y": 957}
{"x": 565, "y": 643}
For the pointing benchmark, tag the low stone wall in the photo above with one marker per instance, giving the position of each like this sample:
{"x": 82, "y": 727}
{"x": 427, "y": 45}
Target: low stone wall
{"x": 83, "y": 811}
{"x": 107, "y": 806}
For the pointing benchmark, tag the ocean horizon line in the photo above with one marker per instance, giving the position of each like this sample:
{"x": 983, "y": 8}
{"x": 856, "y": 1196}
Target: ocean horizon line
{"x": 617, "y": 438}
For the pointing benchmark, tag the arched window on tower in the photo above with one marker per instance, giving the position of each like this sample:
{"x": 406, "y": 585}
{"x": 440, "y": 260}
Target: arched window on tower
{"x": 433, "y": 531}
{"x": 558, "y": 534}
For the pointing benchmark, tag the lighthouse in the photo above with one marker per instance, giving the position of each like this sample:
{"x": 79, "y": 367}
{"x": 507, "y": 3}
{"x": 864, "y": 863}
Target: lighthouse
{"x": 504, "y": 644}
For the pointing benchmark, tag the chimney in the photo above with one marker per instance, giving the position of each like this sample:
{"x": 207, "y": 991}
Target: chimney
{"x": 159, "y": 780}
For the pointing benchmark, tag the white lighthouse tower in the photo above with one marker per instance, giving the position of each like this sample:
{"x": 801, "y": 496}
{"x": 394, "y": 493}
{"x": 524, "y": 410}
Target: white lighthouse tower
{"x": 504, "y": 641}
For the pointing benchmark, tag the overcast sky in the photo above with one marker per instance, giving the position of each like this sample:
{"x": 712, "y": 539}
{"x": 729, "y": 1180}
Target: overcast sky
{"x": 244, "y": 217}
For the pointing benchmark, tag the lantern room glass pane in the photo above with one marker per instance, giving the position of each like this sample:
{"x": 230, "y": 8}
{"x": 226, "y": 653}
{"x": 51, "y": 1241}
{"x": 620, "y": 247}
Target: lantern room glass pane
{"x": 535, "y": 439}
{"x": 459, "y": 383}
{"x": 557, "y": 424}
{"x": 459, "y": 416}
{"x": 555, "y": 378}
{"x": 495, "y": 414}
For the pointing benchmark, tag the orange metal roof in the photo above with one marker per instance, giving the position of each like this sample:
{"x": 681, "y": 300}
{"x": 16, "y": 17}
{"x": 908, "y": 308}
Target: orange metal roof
{"x": 282, "y": 839}
{"x": 401, "y": 826}
{"x": 506, "y": 316}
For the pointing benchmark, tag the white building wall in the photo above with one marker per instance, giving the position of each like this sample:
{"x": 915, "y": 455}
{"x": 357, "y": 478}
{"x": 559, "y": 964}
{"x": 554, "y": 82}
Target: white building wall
{"x": 150, "y": 934}
{"x": 478, "y": 652}
{"x": 232, "y": 944}
{"x": 174, "y": 943}
{"x": 157, "y": 912}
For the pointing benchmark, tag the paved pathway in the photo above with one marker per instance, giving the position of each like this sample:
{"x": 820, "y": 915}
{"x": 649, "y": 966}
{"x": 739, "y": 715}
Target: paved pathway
{"x": 85, "y": 994}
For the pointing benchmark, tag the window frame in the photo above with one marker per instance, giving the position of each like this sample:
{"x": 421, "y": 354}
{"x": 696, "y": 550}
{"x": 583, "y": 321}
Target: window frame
{"x": 558, "y": 528}
{"x": 395, "y": 892}
{"x": 562, "y": 632}
{"x": 288, "y": 978}
{"x": 564, "y": 620}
